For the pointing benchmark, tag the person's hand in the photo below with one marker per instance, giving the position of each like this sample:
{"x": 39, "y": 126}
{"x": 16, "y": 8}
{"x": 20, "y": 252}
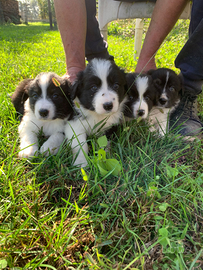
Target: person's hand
{"x": 144, "y": 65}
{"x": 71, "y": 74}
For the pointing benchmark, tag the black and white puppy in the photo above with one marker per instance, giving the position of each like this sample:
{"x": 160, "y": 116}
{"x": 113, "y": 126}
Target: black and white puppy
{"x": 168, "y": 86}
{"x": 141, "y": 96}
{"x": 45, "y": 107}
{"x": 99, "y": 94}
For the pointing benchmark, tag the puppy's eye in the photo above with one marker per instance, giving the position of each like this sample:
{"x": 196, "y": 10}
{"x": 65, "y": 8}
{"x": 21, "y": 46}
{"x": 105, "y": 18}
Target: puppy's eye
{"x": 34, "y": 96}
{"x": 115, "y": 86}
{"x": 147, "y": 98}
{"x": 130, "y": 97}
{"x": 55, "y": 96}
{"x": 172, "y": 88}
{"x": 94, "y": 88}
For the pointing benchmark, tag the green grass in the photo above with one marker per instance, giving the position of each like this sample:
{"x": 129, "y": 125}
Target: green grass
{"x": 122, "y": 35}
{"x": 51, "y": 217}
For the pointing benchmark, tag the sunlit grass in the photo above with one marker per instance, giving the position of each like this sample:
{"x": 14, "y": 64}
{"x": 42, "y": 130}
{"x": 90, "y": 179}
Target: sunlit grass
{"x": 149, "y": 215}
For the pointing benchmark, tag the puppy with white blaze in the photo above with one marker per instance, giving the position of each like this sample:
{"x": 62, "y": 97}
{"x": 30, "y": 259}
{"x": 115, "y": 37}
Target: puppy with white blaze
{"x": 99, "y": 95}
{"x": 168, "y": 86}
{"x": 141, "y": 96}
{"x": 45, "y": 107}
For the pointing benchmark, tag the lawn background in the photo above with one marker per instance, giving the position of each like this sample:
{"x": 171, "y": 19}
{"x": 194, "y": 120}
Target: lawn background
{"x": 148, "y": 217}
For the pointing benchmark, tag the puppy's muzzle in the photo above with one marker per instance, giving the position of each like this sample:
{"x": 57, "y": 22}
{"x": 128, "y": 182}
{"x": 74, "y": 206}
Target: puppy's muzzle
{"x": 140, "y": 112}
{"x": 108, "y": 106}
{"x": 43, "y": 112}
{"x": 163, "y": 101}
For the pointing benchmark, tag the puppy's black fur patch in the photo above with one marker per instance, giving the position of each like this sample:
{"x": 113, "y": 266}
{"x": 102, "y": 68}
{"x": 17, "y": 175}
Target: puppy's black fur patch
{"x": 20, "y": 96}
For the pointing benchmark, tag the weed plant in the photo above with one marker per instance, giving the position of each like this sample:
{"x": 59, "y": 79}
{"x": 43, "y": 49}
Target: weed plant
{"x": 147, "y": 215}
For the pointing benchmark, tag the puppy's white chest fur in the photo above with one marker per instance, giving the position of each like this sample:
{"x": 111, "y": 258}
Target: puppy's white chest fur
{"x": 29, "y": 129}
{"x": 93, "y": 122}
{"x": 31, "y": 122}
{"x": 88, "y": 123}
{"x": 159, "y": 119}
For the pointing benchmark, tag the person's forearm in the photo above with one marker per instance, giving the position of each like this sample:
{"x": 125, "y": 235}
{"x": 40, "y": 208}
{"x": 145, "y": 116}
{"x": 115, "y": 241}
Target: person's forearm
{"x": 71, "y": 20}
{"x": 164, "y": 17}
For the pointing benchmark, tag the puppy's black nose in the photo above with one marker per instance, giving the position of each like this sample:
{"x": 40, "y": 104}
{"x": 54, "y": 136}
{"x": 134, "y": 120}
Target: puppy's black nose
{"x": 44, "y": 112}
{"x": 162, "y": 101}
{"x": 108, "y": 106}
{"x": 141, "y": 112}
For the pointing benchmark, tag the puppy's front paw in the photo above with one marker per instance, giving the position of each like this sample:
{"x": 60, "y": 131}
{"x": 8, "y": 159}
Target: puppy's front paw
{"x": 80, "y": 162}
{"x": 30, "y": 151}
{"x": 161, "y": 133}
{"x": 47, "y": 149}
{"x": 152, "y": 129}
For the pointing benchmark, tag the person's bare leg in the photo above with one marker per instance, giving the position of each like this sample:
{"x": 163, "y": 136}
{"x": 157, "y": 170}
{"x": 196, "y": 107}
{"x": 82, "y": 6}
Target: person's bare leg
{"x": 71, "y": 20}
{"x": 164, "y": 17}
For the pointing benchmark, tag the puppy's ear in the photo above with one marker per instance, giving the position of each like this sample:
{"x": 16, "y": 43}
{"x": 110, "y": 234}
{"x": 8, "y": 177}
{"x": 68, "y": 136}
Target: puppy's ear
{"x": 181, "y": 89}
{"x": 151, "y": 71}
{"x": 126, "y": 88}
{"x": 22, "y": 89}
{"x": 66, "y": 86}
{"x": 131, "y": 79}
{"x": 77, "y": 85}
{"x": 21, "y": 95}
{"x": 124, "y": 80}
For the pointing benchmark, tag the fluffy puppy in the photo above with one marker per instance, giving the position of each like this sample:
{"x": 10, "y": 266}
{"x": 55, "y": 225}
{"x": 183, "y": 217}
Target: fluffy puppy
{"x": 99, "y": 97}
{"x": 168, "y": 86}
{"x": 45, "y": 107}
{"x": 141, "y": 96}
